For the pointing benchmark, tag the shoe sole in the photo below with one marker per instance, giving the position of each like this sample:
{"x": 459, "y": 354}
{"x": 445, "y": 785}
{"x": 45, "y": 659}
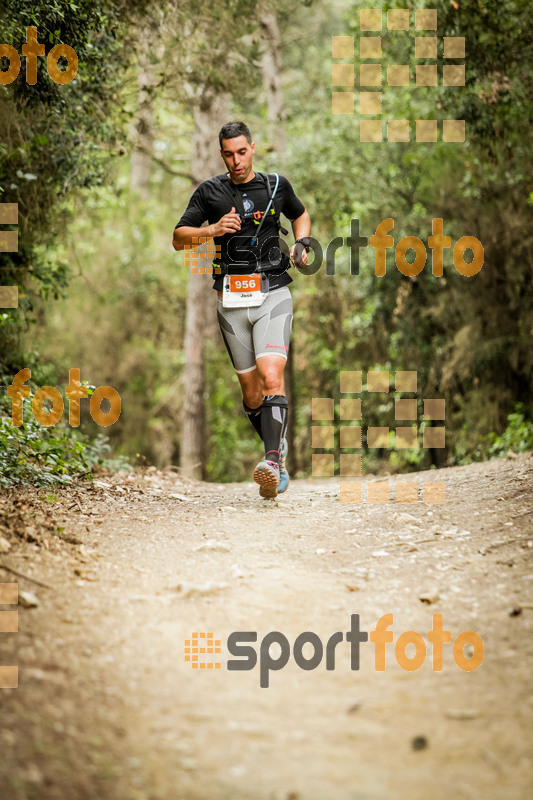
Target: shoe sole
{"x": 267, "y": 480}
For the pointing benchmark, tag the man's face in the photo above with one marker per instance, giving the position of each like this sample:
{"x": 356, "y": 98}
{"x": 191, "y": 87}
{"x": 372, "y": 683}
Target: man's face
{"x": 237, "y": 154}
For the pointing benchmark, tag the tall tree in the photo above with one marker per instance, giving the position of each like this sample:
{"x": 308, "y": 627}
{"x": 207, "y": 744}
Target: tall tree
{"x": 207, "y": 61}
{"x": 209, "y": 108}
{"x": 271, "y": 70}
{"x": 150, "y": 50}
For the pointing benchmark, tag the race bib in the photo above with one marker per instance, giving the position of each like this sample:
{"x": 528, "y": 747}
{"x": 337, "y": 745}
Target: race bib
{"x": 242, "y": 291}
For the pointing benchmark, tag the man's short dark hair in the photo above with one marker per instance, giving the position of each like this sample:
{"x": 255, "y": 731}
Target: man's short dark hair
{"x": 233, "y": 129}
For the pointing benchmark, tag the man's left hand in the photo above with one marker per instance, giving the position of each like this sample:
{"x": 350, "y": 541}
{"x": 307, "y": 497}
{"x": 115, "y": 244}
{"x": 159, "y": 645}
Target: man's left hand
{"x": 298, "y": 255}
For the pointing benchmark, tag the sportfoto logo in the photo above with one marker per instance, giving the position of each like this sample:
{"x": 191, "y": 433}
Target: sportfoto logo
{"x": 382, "y": 240}
{"x": 372, "y": 74}
{"x": 199, "y": 255}
{"x": 238, "y": 644}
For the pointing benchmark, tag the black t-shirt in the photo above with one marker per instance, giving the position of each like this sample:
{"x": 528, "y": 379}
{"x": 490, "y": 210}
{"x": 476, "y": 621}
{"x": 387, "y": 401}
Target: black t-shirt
{"x": 211, "y": 201}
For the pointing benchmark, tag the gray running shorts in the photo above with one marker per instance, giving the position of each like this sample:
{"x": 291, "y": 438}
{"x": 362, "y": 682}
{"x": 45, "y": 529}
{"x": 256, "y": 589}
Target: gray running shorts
{"x": 264, "y": 330}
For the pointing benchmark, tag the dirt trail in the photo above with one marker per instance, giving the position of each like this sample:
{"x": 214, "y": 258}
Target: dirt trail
{"x": 108, "y": 709}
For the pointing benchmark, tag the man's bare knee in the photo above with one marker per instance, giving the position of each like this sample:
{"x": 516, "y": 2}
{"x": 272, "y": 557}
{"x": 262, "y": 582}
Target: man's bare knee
{"x": 253, "y": 399}
{"x": 272, "y": 382}
{"x": 272, "y": 387}
{"x": 251, "y": 388}
{"x": 270, "y": 372}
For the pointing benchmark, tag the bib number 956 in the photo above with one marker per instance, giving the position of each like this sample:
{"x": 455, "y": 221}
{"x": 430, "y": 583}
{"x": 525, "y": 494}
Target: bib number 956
{"x": 249, "y": 283}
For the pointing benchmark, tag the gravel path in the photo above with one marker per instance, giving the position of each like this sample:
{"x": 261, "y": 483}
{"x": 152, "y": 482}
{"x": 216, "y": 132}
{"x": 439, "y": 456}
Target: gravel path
{"x": 107, "y": 708}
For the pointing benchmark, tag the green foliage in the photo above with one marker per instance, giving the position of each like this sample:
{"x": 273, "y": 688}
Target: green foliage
{"x": 112, "y": 298}
{"x": 44, "y": 456}
{"x": 54, "y": 138}
{"x": 469, "y": 339}
{"x": 517, "y": 437}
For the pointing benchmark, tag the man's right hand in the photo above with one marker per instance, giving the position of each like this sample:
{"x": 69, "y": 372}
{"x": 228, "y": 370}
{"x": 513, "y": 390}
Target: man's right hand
{"x": 229, "y": 223}
{"x": 183, "y": 236}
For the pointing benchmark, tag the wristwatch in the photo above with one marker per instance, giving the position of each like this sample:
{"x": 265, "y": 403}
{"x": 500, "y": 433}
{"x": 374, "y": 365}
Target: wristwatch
{"x": 305, "y": 241}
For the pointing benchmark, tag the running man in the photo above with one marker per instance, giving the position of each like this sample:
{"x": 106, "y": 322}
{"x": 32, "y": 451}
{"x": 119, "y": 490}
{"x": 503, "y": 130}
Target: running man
{"x": 254, "y": 303}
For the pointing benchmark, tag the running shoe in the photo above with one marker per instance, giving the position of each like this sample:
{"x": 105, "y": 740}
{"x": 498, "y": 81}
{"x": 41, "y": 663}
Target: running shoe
{"x": 266, "y": 474}
{"x": 283, "y": 474}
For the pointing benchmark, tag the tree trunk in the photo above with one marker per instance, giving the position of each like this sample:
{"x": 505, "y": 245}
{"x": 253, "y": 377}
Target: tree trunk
{"x": 141, "y": 156}
{"x": 210, "y": 113}
{"x": 271, "y": 69}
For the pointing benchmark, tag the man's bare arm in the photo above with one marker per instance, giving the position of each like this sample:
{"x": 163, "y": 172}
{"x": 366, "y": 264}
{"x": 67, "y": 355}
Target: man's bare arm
{"x": 229, "y": 223}
{"x": 301, "y": 226}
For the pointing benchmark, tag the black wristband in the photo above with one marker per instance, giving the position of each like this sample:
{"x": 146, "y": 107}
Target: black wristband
{"x": 305, "y": 241}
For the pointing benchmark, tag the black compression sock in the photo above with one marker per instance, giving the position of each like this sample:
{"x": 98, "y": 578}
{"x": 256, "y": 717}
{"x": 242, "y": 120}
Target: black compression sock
{"x": 254, "y": 415}
{"x": 274, "y": 413}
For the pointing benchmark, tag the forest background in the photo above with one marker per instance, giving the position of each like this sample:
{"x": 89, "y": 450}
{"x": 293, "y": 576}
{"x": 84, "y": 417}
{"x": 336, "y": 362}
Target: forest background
{"x": 103, "y": 167}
